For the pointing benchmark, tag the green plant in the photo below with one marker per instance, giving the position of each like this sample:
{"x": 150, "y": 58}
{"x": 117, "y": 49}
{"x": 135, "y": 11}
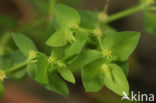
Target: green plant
{"x": 84, "y": 42}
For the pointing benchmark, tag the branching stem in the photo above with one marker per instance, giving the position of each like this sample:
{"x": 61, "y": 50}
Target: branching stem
{"x": 125, "y": 13}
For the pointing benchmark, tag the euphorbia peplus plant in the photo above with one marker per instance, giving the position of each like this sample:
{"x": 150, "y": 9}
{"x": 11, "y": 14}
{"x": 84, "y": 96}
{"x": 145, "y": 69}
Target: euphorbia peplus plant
{"x": 82, "y": 41}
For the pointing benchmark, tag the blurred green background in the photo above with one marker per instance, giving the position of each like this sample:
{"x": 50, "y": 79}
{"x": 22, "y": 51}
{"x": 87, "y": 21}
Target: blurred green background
{"x": 34, "y": 19}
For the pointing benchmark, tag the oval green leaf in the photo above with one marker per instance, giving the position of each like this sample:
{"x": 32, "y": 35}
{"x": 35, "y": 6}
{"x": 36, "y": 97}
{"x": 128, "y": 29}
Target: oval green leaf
{"x": 57, "y": 39}
{"x": 39, "y": 69}
{"x": 116, "y": 80}
{"x": 66, "y": 17}
{"x": 24, "y": 43}
{"x": 89, "y": 19}
{"x": 67, "y": 74}
{"x": 57, "y": 85}
{"x": 91, "y": 76}
{"x": 122, "y": 44}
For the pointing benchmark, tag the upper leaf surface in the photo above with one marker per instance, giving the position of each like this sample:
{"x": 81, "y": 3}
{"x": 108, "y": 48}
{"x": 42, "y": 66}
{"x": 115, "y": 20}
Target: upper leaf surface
{"x": 57, "y": 39}
{"x": 67, "y": 74}
{"x": 24, "y": 43}
{"x": 57, "y": 85}
{"x": 116, "y": 80}
{"x": 90, "y": 55}
{"x": 124, "y": 66}
{"x": 89, "y": 19}
{"x": 66, "y": 17}
{"x": 91, "y": 76}
{"x": 38, "y": 70}
{"x": 122, "y": 44}
{"x": 76, "y": 47}
{"x": 9, "y": 60}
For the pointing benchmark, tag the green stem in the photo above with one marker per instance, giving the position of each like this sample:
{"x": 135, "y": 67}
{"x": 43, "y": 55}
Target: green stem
{"x": 106, "y": 6}
{"x": 152, "y": 8}
{"x": 124, "y": 13}
{"x": 100, "y": 43}
{"x": 19, "y": 66}
{"x": 52, "y": 4}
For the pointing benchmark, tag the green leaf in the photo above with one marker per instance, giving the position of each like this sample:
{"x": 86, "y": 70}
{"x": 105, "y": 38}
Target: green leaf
{"x": 122, "y": 44}
{"x": 57, "y": 39}
{"x": 18, "y": 75}
{"x": 10, "y": 60}
{"x": 67, "y": 74}
{"x": 116, "y": 80}
{"x": 90, "y": 55}
{"x": 91, "y": 77}
{"x": 39, "y": 69}
{"x": 124, "y": 66}
{"x": 150, "y": 26}
{"x": 66, "y": 17}
{"x": 57, "y": 85}
{"x": 76, "y": 47}
{"x": 58, "y": 52}
{"x": 1, "y": 89}
{"x": 89, "y": 19}
{"x": 24, "y": 43}
{"x": 75, "y": 63}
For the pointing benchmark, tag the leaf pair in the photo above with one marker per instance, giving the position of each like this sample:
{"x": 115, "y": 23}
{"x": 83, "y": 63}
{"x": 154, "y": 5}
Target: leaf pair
{"x": 94, "y": 77}
{"x": 38, "y": 69}
{"x": 58, "y": 85}
{"x": 122, "y": 44}
{"x": 66, "y": 19}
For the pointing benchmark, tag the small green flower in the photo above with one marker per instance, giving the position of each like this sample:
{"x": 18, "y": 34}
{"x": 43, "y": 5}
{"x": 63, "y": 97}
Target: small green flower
{"x": 69, "y": 36}
{"x": 104, "y": 68}
{"x": 107, "y": 53}
{"x": 32, "y": 55}
{"x": 97, "y": 32}
{"x": 74, "y": 25}
{"x": 102, "y": 16}
{"x": 52, "y": 60}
